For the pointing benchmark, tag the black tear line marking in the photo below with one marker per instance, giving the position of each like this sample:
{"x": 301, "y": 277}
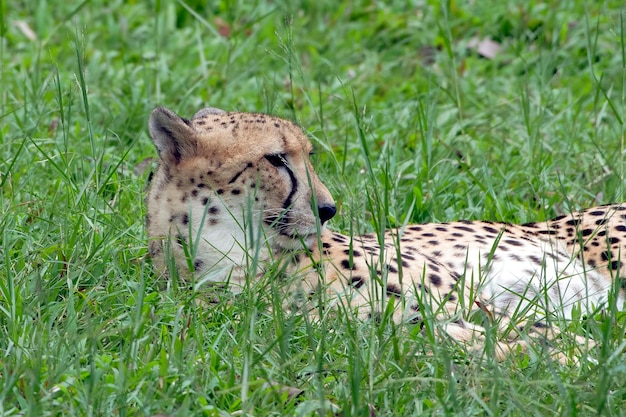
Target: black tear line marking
{"x": 237, "y": 175}
{"x": 294, "y": 188}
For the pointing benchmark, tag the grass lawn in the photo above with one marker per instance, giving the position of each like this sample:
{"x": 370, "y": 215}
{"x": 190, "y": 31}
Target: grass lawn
{"x": 411, "y": 121}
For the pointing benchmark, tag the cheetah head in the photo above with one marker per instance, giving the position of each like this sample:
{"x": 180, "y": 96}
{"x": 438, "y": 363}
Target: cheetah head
{"x": 226, "y": 177}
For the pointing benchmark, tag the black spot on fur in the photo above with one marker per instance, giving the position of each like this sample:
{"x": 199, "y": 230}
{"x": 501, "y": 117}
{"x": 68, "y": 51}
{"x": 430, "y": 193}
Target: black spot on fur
{"x": 346, "y": 264}
{"x": 214, "y": 210}
{"x": 573, "y": 222}
{"x": 194, "y": 193}
{"x": 197, "y": 264}
{"x": 185, "y": 219}
{"x": 600, "y": 222}
{"x": 326, "y": 245}
{"x": 375, "y": 316}
{"x": 450, "y": 297}
{"x": 615, "y": 265}
{"x": 235, "y": 191}
{"x": 464, "y": 228}
{"x": 394, "y": 290}
{"x": 586, "y": 232}
{"x": 357, "y": 281}
{"x": 513, "y": 242}
{"x": 435, "y": 279}
{"x": 391, "y": 268}
{"x": 205, "y": 201}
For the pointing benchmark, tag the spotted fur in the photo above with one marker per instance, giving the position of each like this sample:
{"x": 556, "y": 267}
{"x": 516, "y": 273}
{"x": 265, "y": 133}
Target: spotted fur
{"x": 231, "y": 187}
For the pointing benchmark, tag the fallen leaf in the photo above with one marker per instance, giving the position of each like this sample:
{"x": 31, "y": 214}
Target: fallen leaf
{"x": 223, "y": 28}
{"x": 285, "y": 389}
{"x": 484, "y": 308}
{"x": 25, "y": 29}
{"x": 486, "y": 48}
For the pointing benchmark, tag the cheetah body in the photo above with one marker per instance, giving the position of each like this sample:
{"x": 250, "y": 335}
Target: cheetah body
{"x": 232, "y": 187}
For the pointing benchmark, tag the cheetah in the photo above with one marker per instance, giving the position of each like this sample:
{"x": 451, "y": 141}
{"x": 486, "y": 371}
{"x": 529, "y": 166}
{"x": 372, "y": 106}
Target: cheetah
{"x": 231, "y": 187}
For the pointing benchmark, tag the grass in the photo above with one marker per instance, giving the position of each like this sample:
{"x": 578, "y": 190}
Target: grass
{"x": 402, "y": 110}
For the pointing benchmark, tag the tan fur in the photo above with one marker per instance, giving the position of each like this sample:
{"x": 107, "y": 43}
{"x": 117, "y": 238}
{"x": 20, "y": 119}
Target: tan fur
{"x": 232, "y": 187}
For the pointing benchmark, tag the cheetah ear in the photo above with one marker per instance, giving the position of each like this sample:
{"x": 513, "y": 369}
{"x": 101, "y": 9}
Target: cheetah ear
{"x": 207, "y": 112}
{"x": 172, "y": 135}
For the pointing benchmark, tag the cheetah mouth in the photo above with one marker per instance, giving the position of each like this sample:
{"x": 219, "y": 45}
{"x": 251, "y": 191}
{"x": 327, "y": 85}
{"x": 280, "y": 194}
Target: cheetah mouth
{"x": 295, "y": 241}
{"x": 292, "y": 235}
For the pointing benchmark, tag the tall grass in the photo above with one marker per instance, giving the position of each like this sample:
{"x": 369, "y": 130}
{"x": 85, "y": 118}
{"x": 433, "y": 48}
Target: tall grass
{"x": 401, "y": 109}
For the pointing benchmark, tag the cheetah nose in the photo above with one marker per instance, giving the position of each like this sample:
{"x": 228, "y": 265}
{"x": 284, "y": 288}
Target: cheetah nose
{"x": 326, "y": 212}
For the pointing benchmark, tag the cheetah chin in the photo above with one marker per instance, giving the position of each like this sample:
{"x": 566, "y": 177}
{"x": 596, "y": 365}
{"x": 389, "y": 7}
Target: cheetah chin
{"x": 231, "y": 186}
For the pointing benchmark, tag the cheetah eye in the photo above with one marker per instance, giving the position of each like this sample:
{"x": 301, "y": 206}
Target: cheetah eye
{"x": 278, "y": 160}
